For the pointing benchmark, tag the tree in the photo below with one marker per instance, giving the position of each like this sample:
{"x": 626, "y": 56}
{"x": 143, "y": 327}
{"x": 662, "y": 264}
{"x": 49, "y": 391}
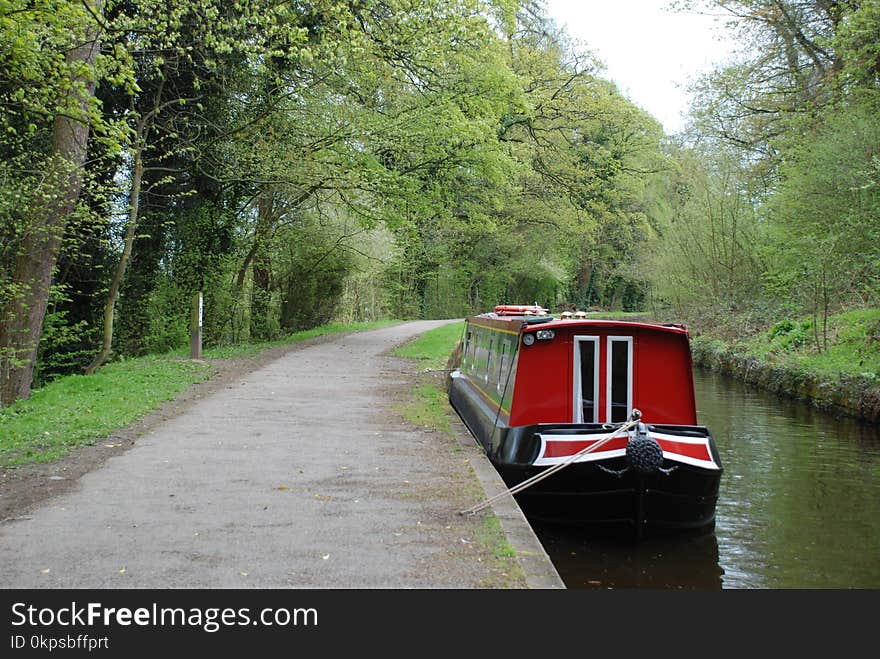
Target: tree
{"x": 52, "y": 202}
{"x": 826, "y": 211}
{"x": 708, "y": 254}
{"x": 786, "y": 72}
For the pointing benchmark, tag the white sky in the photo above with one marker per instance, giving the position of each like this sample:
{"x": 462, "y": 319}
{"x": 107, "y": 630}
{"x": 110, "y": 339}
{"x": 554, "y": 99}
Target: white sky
{"x": 651, "y": 52}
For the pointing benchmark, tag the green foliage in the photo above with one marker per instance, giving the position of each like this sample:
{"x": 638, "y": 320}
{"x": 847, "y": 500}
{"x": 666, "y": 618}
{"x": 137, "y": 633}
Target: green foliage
{"x": 789, "y": 335}
{"x": 779, "y": 215}
{"x": 312, "y": 263}
{"x": 708, "y": 251}
{"x": 853, "y": 349}
{"x": 66, "y": 347}
{"x": 858, "y": 44}
{"x": 305, "y": 163}
{"x": 826, "y": 207}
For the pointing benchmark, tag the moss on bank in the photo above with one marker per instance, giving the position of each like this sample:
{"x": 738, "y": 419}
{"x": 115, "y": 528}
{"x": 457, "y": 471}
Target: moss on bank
{"x": 837, "y": 369}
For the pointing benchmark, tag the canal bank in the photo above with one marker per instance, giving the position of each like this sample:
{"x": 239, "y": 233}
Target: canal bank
{"x": 847, "y": 393}
{"x": 831, "y": 364}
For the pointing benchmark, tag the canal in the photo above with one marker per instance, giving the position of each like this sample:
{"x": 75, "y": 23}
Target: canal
{"x": 799, "y": 506}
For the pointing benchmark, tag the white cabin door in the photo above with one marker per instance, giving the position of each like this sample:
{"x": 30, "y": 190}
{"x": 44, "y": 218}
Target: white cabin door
{"x": 586, "y": 379}
{"x": 619, "y": 379}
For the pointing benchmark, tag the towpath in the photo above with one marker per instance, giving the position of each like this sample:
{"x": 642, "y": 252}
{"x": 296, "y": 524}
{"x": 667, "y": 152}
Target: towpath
{"x": 300, "y": 474}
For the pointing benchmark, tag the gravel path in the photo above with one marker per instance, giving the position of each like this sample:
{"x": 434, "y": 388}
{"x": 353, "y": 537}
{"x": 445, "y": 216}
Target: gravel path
{"x": 298, "y": 474}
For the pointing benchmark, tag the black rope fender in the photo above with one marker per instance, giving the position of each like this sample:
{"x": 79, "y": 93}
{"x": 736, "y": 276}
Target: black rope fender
{"x": 643, "y": 452}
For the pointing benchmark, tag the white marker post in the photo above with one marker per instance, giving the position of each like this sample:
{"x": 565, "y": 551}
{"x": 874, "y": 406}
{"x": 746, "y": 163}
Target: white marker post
{"x": 195, "y": 327}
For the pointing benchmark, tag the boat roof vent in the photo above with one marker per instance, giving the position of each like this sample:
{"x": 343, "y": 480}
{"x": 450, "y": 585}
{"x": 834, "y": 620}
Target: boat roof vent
{"x": 535, "y": 320}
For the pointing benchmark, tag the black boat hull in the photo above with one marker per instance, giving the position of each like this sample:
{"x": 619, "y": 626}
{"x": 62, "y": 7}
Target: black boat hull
{"x": 601, "y": 494}
{"x": 608, "y": 496}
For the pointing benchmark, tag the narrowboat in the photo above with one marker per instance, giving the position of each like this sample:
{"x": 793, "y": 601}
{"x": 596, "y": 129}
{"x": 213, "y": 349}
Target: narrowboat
{"x": 607, "y": 405}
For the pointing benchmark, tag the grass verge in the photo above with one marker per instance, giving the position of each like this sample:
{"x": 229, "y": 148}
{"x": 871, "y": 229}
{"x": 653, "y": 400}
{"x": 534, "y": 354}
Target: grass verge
{"x": 837, "y": 369}
{"x": 853, "y": 344}
{"x": 77, "y": 410}
{"x": 491, "y": 535}
{"x": 433, "y": 347}
{"x": 429, "y": 408}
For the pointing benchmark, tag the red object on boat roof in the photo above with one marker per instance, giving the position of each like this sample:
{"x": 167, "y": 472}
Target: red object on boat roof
{"x": 520, "y": 310}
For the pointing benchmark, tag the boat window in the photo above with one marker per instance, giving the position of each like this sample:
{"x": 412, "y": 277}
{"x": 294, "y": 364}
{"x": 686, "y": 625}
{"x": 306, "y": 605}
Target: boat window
{"x": 468, "y": 348}
{"x": 489, "y": 356}
{"x": 619, "y": 378}
{"x": 502, "y": 361}
{"x": 586, "y": 383}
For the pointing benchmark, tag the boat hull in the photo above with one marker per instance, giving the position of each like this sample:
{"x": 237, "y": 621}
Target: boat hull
{"x": 599, "y": 490}
{"x": 605, "y": 495}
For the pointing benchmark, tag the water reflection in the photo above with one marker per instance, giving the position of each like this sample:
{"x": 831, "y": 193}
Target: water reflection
{"x": 689, "y": 562}
{"x": 799, "y": 506}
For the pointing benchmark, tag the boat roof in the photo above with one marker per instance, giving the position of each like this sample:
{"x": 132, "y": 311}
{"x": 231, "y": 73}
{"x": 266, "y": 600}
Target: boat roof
{"x": 529, "y": 321}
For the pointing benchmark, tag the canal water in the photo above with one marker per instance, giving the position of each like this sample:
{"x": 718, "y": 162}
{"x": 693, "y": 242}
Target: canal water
{"x": 799, "y": 506}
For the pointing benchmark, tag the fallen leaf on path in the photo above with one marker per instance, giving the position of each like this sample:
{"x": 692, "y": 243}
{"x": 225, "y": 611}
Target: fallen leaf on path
{"x": 325, "y": 557}
{"x": 45, "y": 571}
{"x": 281, "y": 487}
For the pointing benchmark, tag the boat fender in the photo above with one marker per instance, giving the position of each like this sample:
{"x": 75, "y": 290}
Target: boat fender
{"x": 643, "y": 453}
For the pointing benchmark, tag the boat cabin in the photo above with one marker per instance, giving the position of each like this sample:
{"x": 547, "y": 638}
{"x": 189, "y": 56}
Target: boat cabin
{"x": 538, "y": 369}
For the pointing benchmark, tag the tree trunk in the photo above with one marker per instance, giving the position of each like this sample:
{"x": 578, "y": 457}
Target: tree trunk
{"x": 21, "y": 322}
{"x": 260, "y": 295}
{"x": 137, "y": 175}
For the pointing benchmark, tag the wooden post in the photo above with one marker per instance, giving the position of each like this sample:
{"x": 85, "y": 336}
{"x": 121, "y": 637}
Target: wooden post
{"x": 195, "y": 328}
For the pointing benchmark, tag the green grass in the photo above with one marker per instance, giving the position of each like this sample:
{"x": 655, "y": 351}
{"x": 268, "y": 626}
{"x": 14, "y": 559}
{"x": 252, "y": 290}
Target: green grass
{"x": 432, "y": 348}
{"x": 428, "y": 408}
{"x": 78, "y": 409}
{"x": 853, "y": 344}
{"x": 491, "y": 535}
{"x": 429, "y": 405}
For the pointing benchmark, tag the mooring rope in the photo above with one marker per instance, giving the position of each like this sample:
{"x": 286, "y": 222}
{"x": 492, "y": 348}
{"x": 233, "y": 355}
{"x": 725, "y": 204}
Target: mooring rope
{"x": 519, "y": 487}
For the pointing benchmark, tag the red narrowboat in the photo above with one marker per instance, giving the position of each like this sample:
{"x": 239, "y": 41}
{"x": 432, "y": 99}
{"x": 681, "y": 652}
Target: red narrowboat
{"x": 606, "y": 405}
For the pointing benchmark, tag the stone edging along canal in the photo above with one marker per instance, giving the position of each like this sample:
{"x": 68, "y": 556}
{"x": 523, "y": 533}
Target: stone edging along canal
{"x": 852, "y": 395}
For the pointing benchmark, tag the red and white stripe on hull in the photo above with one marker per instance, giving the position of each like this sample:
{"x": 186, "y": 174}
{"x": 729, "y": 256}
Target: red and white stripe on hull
{"x": 677, "y": 448}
